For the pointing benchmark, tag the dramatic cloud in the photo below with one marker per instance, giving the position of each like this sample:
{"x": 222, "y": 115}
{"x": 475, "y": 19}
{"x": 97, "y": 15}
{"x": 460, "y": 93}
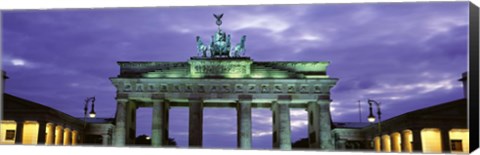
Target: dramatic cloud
{"x": 405, "y": 55}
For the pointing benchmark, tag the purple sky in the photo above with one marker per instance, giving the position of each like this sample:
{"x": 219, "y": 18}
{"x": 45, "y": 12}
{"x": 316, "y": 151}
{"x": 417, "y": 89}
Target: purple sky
{"x": 405, "y": 55}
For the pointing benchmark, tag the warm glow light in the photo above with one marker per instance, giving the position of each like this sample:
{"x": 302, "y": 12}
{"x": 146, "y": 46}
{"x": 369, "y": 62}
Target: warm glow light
{"x": 407, "y": 140}
{"x": 371, "y": 119}
{"x": 396, "y": 142}
{"x": 58, "y": 135}
{"x": 386, "y": 143}
{"x": 462, "y": 137}
{"x": 148, "y": 138}
{"x": 431, "y": 140}
{"x": 7, "y": 125}
{"x": 92, "y": 115}
{"x": 377, "y": 145}
{"x": 50, "y": 134}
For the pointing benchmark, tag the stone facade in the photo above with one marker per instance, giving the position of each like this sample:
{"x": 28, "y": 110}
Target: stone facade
{"x": 237, "y": 82}
{"x": 409, "y": 131}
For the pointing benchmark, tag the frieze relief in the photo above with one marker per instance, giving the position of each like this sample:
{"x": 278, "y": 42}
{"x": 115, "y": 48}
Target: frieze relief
{"x": 317, "y": 89}
{"x": 303, "y": 88}
{"x": 188, "y": 88}
{"x": 220, "y": 68}
{"x": 163, "y": 88}
{"x": 239, "y": 88}
{"x": 300, "y": 66}
{"x": 252, "y": 88}
{"x": 151, "y": 88}
{"x": 139, "y": 88}
{"x": 201, "y": 89}
{"x": 214, "y": 69}
{"x": 291, "y": 88}
{"x": 277, "y": 88}
{"x": 226, "y": 88}
{"x": 127, "y": 87}
{"x": 141, "y": 66}
{"x": 265, "y": 88}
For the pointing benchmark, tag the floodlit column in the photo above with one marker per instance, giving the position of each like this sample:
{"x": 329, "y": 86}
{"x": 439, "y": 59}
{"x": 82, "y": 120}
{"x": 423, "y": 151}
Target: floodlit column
{"x": 158, "y": 123}
{"x": 42, "y": 130}
{"x": 19, "y": 132}
{"x": 445, "y": 140}
{"x": 324, "y": 123}
{"x": 319, "y": 125}
{"x": 281, "y": 123}
{"x": 131, "y": 126}
{"x": 58, "y": 135}
{"x": 417, "y": 140}
{"x": 50, "y": 134}
{"x": 244, "y": 122}
{"x": 120, "y": 125}
{"x": 341, "y": 144}
{"x": 105, "y": 139}
{"x": 74, "y": 137}
{"x": 406, "y": 139}
{"x": 66, "y": 136}
{"x": 166, "y": 112}
{"x": 396, "y": 141}
{"x": 195, "y": 126}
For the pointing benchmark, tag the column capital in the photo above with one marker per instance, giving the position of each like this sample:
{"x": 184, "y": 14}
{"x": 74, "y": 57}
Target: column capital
{"x": 418, "y": 129}
{"x": 121, "y": 96}
{"x": 122, "y": 100}
{"x": 323, "y": 101}
{"x": 195, "y": 98}
{"x": 158, "y": 97}
{"x": 284, "y": 99}
{"x": 323, "y": 97}
{"x": 19, "y": 121}
{"x": 245, "y": 98}
{"x": 447, "y": 129}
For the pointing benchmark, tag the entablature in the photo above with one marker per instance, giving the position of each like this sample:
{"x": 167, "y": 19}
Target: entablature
{"x": 232, "y": 68}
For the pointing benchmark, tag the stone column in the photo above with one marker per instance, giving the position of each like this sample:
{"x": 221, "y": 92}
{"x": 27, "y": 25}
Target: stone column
{"x": 281, "y": 123}
{"x": 341, "y": 144}
{"x": 131, "y": 124}
{"x": 406, "y": 145}
{"x": 195, "y": 126}
{"x": 59, "y": 135}
{"x": 320, "y": 136}
{"x": 42, "y": 129}
{"x": 51, "y": 134}
{"x": 66, "y": 136}
{"x": 166, "y": 112}
{"x": 105, "y": 139}
{"x": 445, "y": 140}
{"x": 244, "y": 122}
{"x": 19, "y": 132}
{"x": 325, "y": 125}
{"x": 417, "y": 140}
{"x": 120, "y": 125}
{"x": 74, "y": 137}
{"x": 158, "y": 123}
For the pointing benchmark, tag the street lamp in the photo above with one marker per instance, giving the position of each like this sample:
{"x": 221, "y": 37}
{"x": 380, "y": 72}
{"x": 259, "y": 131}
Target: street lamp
{"x": 371, "y": 118}
{"x": 378, "y": 113}
{"x": 92, "y": 114}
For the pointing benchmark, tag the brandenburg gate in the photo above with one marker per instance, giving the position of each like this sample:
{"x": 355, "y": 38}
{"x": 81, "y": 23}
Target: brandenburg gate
{"x": 220, "y": 76}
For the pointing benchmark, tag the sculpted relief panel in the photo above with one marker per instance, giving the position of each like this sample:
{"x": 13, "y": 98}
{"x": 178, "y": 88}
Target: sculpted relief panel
{"x": 230, "y": 68}
{"x": 218, "y": 69}
{"x": 255, "y": 87}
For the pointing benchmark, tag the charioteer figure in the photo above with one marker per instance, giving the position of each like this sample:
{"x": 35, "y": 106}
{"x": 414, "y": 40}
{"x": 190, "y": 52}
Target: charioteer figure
{"x": 220, "y": 45}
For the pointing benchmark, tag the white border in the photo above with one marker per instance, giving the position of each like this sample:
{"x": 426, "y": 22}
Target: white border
{"x": 49, "y": 4}
{"x": 55, "y": 4}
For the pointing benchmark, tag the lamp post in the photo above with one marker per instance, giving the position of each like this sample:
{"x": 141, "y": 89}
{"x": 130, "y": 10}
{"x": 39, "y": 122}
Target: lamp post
{"x": 92, "y": 114}
{"x": 371, "y": 118}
